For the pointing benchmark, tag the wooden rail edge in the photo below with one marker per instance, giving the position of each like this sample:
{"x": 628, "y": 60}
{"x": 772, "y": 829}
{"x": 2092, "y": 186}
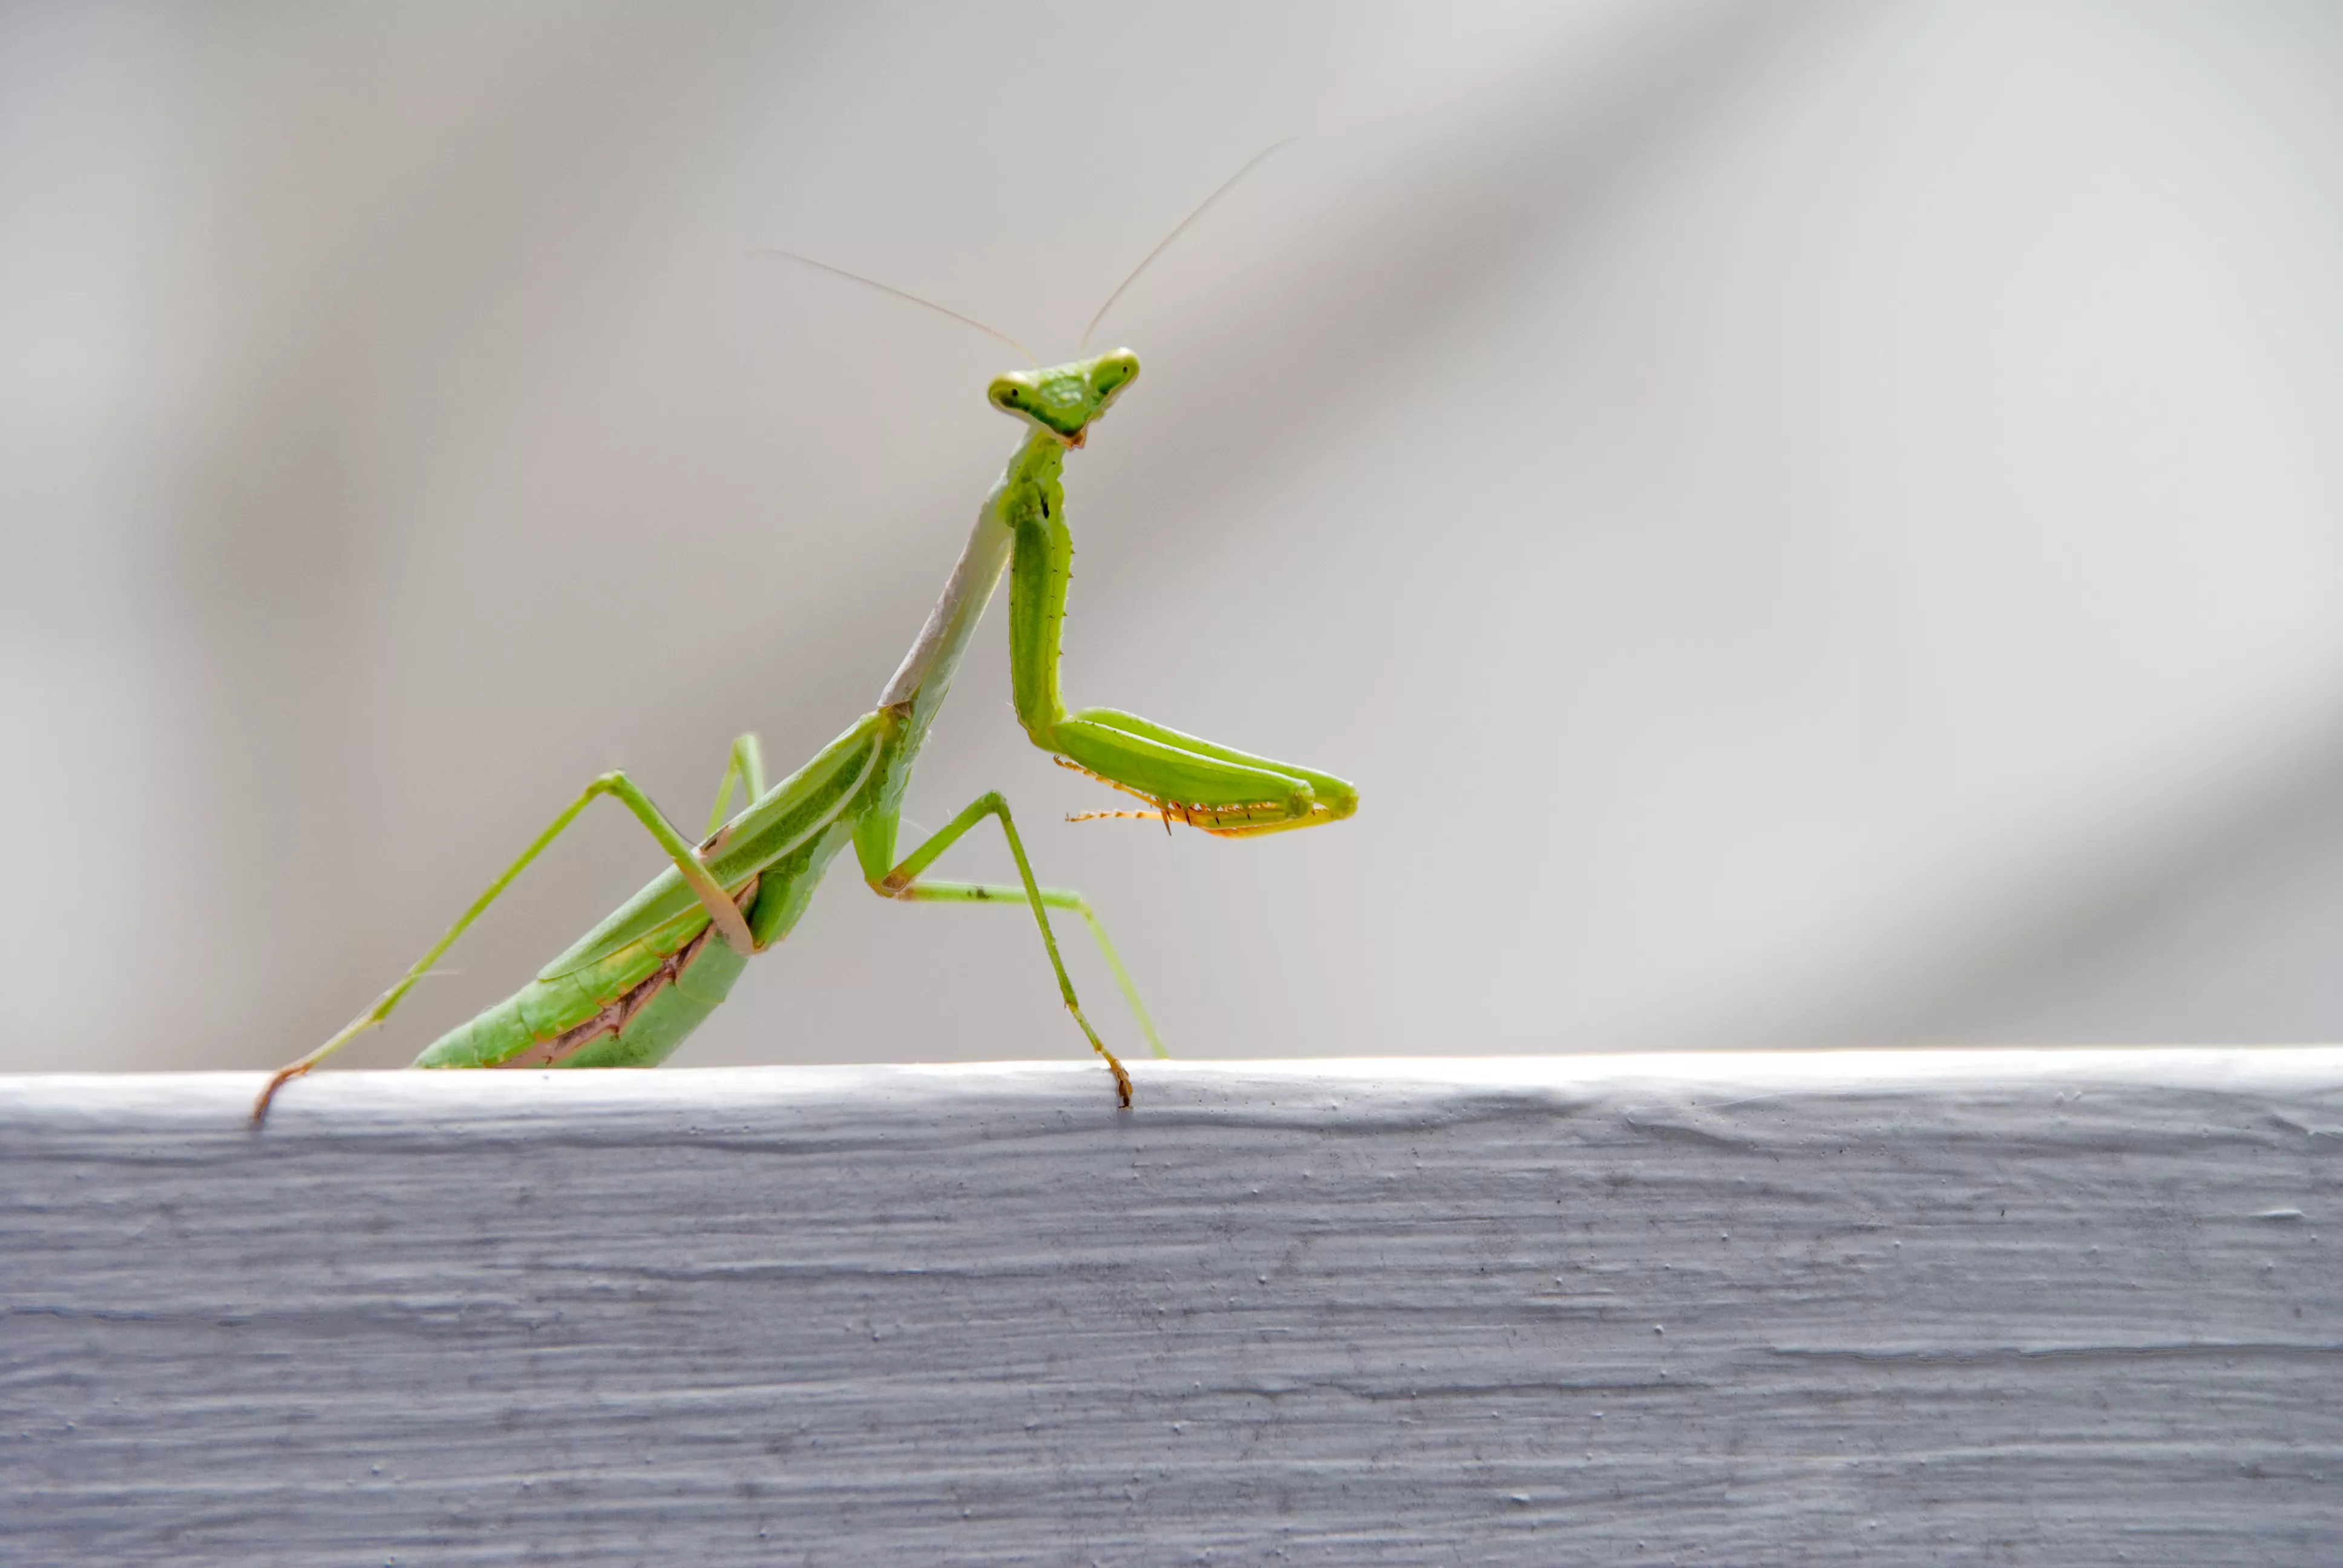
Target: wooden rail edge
{"x": 1846, "y": 1307}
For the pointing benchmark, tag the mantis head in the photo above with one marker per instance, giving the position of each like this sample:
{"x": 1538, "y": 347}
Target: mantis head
{"x": 1064, "y": 398}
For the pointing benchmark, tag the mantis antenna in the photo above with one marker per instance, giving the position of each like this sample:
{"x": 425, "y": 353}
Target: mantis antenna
{"x": 1259, "y": 158}
{"x": 932, "y": 305}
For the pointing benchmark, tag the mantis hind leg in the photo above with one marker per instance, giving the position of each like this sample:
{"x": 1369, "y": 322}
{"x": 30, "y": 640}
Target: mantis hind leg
{"x": 729, "y": 922}
{"x": 902, "y": 882}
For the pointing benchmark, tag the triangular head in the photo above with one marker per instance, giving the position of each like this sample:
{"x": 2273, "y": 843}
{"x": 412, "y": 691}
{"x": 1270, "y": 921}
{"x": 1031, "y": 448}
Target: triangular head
{"x": 1064, "y": 398}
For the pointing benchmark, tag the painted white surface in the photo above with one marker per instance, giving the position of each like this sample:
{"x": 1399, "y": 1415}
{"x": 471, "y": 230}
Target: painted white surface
{"x": 2070, "y": 1307}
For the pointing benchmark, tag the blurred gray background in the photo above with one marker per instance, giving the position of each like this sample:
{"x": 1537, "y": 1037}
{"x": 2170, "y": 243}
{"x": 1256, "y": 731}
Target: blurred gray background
{"x": 1809, "y": 524}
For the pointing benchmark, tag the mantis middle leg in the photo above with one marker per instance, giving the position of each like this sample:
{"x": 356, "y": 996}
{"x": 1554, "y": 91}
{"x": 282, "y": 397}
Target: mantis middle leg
{"x": 743, "y": 766}
{"x": 1055, "y": 898}
{"x": 902, "y": 883}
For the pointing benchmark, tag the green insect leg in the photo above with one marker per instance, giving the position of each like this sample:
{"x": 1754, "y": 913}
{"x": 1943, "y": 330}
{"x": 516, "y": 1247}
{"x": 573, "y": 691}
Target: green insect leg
{"x": 729, "y": 921}
{"x": 1232, "y": 793}
{"x": 902, "y": 883}
{"x": 1056, "y": 898}
{"x": 745, "y": 768}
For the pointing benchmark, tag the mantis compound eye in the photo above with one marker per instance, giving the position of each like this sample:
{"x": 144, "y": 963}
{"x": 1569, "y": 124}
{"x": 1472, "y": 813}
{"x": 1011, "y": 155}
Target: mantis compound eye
{"x": 1110, "y": 372}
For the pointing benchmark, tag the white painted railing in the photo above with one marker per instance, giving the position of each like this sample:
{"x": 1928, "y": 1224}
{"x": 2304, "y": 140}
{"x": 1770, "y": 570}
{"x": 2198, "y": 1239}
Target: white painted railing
{"x": 1935, "y": 1307}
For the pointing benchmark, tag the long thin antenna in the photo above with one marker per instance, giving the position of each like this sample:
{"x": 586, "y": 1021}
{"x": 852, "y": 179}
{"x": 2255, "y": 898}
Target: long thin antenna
{"x": 900, "y": 293}
{"x": 1259, "y": 158}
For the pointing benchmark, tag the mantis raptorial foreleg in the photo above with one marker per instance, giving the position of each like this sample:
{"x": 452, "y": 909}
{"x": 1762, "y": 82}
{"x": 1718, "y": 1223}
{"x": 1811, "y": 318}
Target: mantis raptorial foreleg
{"x": 731, "y": 923}
{"x": 1219, "y": 789}
{"x": 1225, "y": 791}
{"x": 902, "y": 883}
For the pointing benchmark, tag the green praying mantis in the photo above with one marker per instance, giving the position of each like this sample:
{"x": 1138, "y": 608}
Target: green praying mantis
{"x": 630, "y": 992}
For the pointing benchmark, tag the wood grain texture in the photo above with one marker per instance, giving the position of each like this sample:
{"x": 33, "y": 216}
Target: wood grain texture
{"x": 2070, "y": 1307}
